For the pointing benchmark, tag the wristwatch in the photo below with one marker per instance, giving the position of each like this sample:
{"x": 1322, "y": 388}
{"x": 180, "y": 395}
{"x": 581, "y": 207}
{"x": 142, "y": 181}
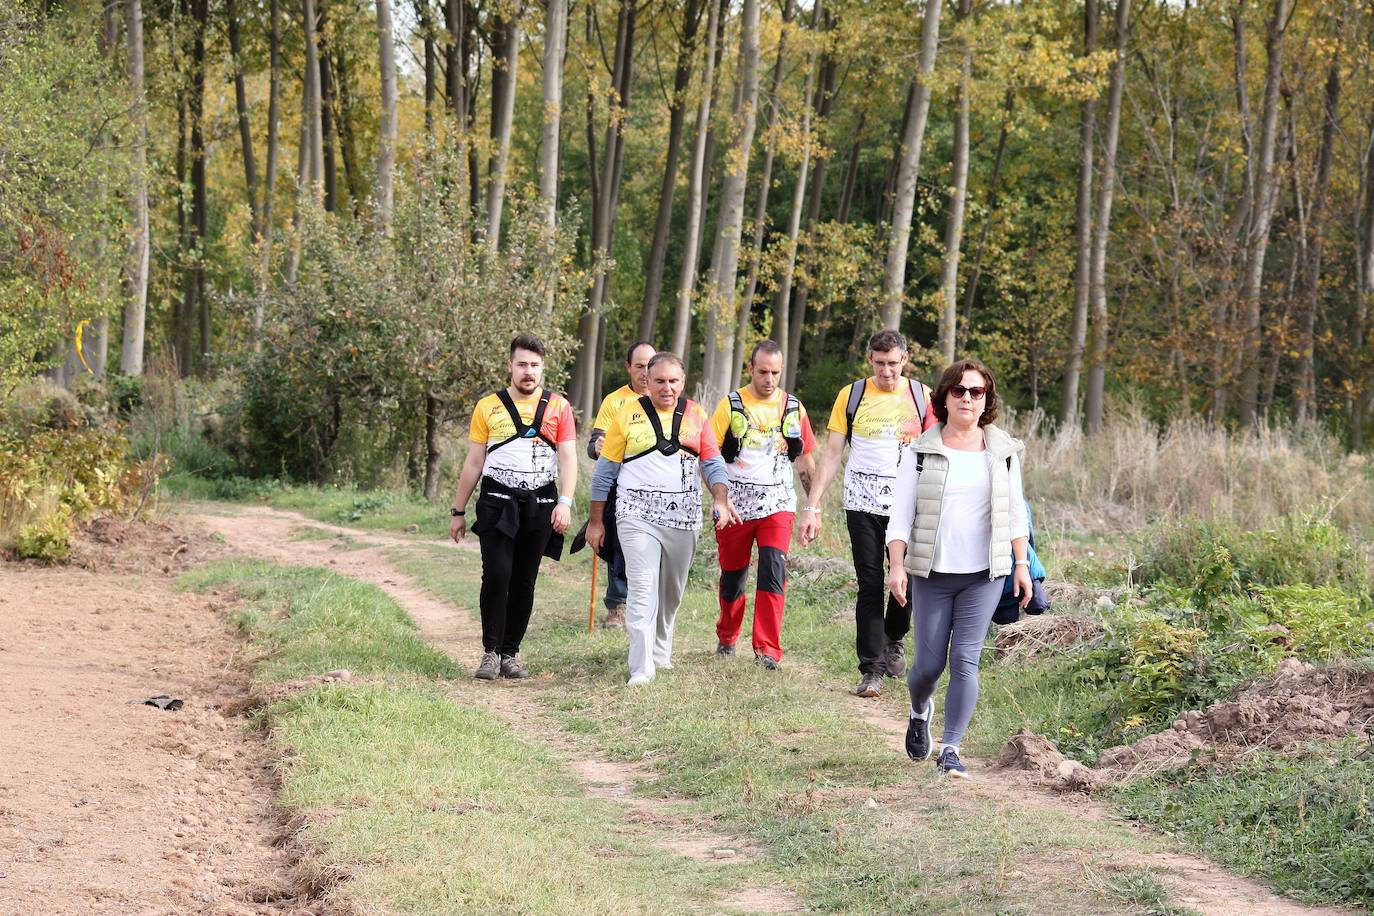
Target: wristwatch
{"x": 455, "y": 512}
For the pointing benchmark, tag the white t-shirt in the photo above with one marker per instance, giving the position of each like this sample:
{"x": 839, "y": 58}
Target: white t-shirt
{"x": 964, "y": 537}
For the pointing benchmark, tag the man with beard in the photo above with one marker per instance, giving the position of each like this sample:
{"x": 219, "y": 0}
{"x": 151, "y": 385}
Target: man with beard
{"x": 522, "y": 439}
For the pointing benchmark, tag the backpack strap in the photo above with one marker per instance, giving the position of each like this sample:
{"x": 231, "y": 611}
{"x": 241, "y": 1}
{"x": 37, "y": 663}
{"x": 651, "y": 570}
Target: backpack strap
{"x": 664, "y": 445}
{"x": 678, "y": 412}
{"x": 856, "y": 395}
{"x": 795, "y": 445}
{"x": 918, "y": 394}
{"x": 533, "y": 429}
{"x": 731, "y": 445}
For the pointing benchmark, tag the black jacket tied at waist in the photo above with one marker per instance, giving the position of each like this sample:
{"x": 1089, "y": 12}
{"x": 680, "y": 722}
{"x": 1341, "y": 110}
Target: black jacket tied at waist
{"x": 509, "y": 510}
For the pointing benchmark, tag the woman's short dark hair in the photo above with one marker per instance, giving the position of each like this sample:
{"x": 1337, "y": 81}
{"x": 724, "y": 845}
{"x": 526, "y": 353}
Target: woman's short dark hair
{"x": 954, "y": 375}
{"x": 526, "y": 342}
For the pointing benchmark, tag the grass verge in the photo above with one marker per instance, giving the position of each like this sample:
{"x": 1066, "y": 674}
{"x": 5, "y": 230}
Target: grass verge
{"x": 411, "y": 802}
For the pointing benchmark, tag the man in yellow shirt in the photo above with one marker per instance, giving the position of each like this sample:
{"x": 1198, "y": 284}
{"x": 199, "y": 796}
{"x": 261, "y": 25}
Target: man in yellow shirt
{"x": 522, "y": 439}
{"x": 763, "y": 432}
{"x": 874, "y": 417}
{"x": 637, "y": 368}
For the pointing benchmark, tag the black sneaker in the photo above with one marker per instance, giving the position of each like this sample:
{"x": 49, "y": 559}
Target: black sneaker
{"x": 490, "y": 667}
{"x": 769, "y": 662}
{"x": 918, "y": 734}
{"x": 870, "y": 685}
{"x": 894, "y": 658}
{"x": 511, "y": 667}
{"x": 725, "y": 650}
{"x": 950, "y": 764}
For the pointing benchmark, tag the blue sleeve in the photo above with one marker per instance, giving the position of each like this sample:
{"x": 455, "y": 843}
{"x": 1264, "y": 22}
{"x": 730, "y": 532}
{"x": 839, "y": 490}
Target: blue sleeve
{"x": 714, "y": 471}
{"x": 603, "y": 478}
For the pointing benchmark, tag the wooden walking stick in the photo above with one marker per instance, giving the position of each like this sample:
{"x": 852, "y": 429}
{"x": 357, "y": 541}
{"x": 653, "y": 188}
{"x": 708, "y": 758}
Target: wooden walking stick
{"x": 591, "y": 600}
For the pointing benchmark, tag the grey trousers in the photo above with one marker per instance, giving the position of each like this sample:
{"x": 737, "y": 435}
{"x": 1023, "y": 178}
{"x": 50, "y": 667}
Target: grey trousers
{"x": 657, "y": 560}
{"x": 950, "y": 613}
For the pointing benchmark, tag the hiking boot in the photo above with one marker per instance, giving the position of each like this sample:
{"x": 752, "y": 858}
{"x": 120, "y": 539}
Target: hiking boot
{"x": 870, "y": 685}
{"x": 725, "y": 650}
{"x": 949, "y": 763}
{"x": 490, "y": 667}
{"x": 615, "y": 618}
{"x": 918, "y": 733}
{"x": 511, "y": 668}
{"x": 768, "y": 662}
{"x": 894, "y": 658}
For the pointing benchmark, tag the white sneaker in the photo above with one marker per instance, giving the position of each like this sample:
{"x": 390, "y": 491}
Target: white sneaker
{"x": 638, "y": 680}
{"x": 664, "y": 666}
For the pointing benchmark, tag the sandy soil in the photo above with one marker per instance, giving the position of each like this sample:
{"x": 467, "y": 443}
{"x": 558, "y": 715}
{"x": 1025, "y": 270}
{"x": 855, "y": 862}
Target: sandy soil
{"x": 109, "y": 806}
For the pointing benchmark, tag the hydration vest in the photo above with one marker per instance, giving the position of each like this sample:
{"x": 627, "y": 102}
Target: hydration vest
{"x": 791, "y": 423}
{"x": 856, "y": 396}
{"x": 532, "y": 430}
{"x": 670, "y": 444}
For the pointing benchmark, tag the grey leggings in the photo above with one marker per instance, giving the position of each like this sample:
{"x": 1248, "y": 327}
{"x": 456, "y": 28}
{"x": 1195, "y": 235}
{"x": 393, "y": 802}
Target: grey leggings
{"x": 950, "y": 615}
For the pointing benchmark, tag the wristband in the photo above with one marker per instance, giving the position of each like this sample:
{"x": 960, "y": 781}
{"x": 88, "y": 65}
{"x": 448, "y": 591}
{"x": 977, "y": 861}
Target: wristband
{"x": 1023, "y": 562}
{"x": 565, "y": 501}
{"x": 455, "y": 512}
{"x": 816, "y": 509}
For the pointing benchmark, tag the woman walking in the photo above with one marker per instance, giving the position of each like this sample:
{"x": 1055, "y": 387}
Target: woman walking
{"x": 959, "y": 527}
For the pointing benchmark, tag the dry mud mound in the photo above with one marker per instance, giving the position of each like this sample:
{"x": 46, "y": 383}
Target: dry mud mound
{"x": 163, "y": 547}
{"x": 1045, "y": 633}
{"x": 1299, "y": 703}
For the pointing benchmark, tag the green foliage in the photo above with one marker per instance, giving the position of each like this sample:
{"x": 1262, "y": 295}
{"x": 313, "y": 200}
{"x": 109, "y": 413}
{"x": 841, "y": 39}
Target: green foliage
{"x": 376, "y": 325}
{"x": 58, "y": 224}
{"x": 52, "y": 479}
{"x": 1303, "y": 823}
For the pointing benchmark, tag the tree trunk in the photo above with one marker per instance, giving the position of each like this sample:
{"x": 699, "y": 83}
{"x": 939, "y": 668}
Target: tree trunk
{"x": 894, "y": 165}
{"x": 822, "y": 100}
{"x": 310, "y": 164}
{"x": 270, "y": 180}
{"x": 250, "y": 172}
{"x": 1365, "y": 292}
{"x": 432, "y": 429}
{"x": 782, "y": 306}
{"x": 135, "y": 273}
{"x": 909, "y": 167}
{"x": 348, "y": 138}
{"x": 387, "y": 129}
{"x": 1097, "y": 362}
{"x": 555, "y": 37}
{"x": 200, "y": 9}
{"x": 1078, "y": 334}
{"x": 1003, "y": 134}
{"x": 328, "y": 109}
{"x": 426, "y": 18}
{"x": 502, "y": 120}
{"x": 691, "y": 246}
{"x": 1305, "y": 387}
{"x": 760, "y": 218}
{"x": 677, "y": 111}
{"x": 954, "y": 226}
{"x": 1266, "y": 195}
{"x": 731, "y": 222}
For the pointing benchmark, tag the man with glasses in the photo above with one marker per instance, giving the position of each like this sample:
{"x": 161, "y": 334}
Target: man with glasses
{"x": 874, "y": 417}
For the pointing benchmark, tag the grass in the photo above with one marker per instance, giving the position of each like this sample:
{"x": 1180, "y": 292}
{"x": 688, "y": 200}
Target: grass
{"x": 1302, "y": 823}
{"x": 402, "y": 807}
{"x": 312, "y": 621}
{"x": 782, "y": 759}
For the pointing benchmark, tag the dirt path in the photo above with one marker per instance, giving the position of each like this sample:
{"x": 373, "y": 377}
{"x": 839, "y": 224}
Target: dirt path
{"x": 1195, "y": 882}
{"x": 112, "y": 807}
{"x": 269, "y": 533}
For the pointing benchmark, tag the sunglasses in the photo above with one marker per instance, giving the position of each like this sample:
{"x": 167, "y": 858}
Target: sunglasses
{"x": 976, "y": 392}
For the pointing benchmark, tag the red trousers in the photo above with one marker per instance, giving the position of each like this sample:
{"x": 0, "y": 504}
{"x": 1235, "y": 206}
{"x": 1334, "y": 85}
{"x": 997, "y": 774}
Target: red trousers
{"x": 773, "y": 534}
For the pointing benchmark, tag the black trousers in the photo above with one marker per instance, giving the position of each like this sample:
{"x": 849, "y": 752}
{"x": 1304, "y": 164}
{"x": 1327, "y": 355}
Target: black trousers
{"x": 873, "y": 627}
{"x": 510, "y": 566}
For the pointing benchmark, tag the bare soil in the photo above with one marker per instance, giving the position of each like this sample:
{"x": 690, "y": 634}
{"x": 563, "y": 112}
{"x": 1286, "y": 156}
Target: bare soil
{"x": 111, "y": 806}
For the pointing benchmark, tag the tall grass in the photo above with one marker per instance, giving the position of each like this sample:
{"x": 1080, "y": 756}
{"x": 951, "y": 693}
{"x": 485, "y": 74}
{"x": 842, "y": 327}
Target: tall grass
{"x": 1135, "y": 472}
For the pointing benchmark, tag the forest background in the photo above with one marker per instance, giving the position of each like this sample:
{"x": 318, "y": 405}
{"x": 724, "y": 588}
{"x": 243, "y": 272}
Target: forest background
{"x": 341, "y": 209}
